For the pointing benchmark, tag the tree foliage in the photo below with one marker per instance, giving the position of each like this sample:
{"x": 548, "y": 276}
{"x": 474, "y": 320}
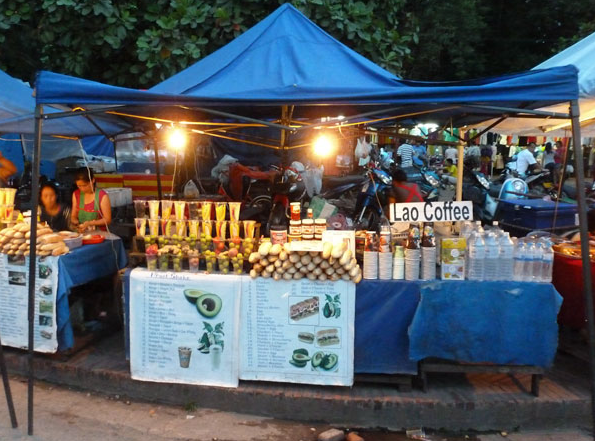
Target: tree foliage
{"x": 138, "y": 44}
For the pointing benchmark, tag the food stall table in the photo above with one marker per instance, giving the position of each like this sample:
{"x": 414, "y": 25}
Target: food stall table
{"x": 80, "y": 266}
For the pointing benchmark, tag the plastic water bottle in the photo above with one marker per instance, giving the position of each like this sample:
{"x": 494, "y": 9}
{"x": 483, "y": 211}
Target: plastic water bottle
{"x": 547, "y": 262}
{"x": 476, "y": 257}
{"x": 533, "y": 262}
{"x": 506, "y": 259}
{"x": 520, "y": 253}
{"x": 492, "y": 255}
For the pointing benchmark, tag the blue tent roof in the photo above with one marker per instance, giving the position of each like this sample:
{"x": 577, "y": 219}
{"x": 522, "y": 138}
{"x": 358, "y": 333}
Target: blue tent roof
{"x": 285, "y": 53}
{"x": 17, "y": 108}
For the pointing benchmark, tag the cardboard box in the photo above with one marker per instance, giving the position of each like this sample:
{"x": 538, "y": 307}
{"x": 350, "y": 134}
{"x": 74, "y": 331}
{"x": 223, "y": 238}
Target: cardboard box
{"x": 452, "y": 257}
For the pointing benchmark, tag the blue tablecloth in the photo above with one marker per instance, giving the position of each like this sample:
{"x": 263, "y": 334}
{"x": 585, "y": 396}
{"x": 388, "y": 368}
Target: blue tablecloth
{"x": 80, "y": 266}
{"x": 496, "y": 322}
{"x": 383, "y": 311}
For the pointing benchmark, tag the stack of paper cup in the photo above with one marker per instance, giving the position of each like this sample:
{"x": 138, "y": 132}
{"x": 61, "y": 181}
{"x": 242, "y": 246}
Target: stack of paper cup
{"x": 385, "y": 266}
{"x": 370, "y": 265}
{"x": 428, "y": 263}
{"x": 412, "y": 259}
{"x": 398, "y": 268}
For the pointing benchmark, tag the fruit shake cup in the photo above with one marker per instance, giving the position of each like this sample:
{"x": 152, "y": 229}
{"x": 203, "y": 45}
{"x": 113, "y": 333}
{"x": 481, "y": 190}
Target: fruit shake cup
{"x": 193, "y": 227}
{"x": 234, "y": 229}
{"x": 166, "y": 227}
{"x": 153, "y": 209}
{"x": 216, "y": 356}
{"x": 141, "y": 226}
{"x": 249, "y": 226}
{"x": 181, "y": 228}
{"x": 180, "y": 207}
{"x": 166, "y": 207}
{"x": 234, "y": 211}
{"x": 221, "y": 229}
{"x": 151, "y": 262}
{"x": 184, "y": 354}
{"x": 139, "y": 208}
{"x": 220, "y": 209}
{"x": 207, "y": 227}
{"x": 206, "y": 207}
{"x": 8, "y": 212}
{"x": 154, "y": 227}
{"x": 2, "y": 196}
{"x": 192, "y": 210}
{"x": 10, "y": 193}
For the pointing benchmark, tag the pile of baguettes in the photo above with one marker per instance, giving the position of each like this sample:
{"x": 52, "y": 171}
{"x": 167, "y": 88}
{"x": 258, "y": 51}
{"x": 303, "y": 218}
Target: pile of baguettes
{"x": 15, "y": 241}
{"x": 334, "y": 262}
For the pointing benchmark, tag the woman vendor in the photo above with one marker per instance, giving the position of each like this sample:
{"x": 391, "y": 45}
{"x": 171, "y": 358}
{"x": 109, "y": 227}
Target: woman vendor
{"x": 91, "y": 207}
{"x": 56, "y": 215}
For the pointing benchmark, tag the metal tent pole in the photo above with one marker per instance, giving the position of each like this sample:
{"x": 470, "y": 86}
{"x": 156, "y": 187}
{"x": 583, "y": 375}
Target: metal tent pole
{"x": 33, "y": 260}
{"x": 582, "y": 213}
{"x": 9, "y": 402}
{"x": 157, "y": 170}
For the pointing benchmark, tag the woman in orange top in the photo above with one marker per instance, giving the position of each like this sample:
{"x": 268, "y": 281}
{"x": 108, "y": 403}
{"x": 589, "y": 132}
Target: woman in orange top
{"x": 90, "y": 206}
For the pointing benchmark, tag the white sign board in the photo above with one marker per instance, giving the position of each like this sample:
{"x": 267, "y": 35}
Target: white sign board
{"x": 184, "y": 327}
{"x": 14, "y": 296}
{"x": 297, "y": 331}
{"x": 440, "y": 211}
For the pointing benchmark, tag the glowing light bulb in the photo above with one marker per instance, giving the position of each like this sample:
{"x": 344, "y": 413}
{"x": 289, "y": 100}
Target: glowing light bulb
{"x": 323, "y": 146}
{"x": 177, "y": 139}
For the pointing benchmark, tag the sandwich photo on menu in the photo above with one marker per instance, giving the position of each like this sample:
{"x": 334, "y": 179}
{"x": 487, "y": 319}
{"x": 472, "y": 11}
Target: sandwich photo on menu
{"x": 303, "y": 309}
{"x": 328, "y": 337}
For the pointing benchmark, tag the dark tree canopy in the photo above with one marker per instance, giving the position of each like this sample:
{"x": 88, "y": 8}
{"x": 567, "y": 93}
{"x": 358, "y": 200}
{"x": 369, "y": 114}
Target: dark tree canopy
{"x": 137, "y": 43}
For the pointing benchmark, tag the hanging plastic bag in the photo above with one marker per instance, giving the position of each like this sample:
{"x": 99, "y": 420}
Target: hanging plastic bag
{"x": 191, "y": 190}
{"x": 362, "y": 149}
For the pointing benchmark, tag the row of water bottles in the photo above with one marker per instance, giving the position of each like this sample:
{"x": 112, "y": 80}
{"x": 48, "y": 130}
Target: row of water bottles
{"x": 493, "y": 255}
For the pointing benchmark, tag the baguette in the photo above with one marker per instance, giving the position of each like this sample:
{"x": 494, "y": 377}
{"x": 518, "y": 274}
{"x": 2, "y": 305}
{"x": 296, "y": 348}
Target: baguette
{"x": 50, "y": 238}
{"x": 61, "y": 250}
{"x": 52, "y": 246}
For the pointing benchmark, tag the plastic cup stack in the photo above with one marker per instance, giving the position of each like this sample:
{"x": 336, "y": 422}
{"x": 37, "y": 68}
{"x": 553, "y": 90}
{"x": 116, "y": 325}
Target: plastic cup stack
{"x": 428, "y": 263}
{"x": 412, "y": 259}
{"x": 371, "y": 265}
{"x": 385, "y": 266}
{"x": 399, "y": 264}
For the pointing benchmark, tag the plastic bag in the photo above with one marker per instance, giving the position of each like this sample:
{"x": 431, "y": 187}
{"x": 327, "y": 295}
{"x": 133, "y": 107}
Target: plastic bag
{"x": 313, "y": 180}
{"x": 191, "y": 190}
{"x": 221, "y": 170}
{"x": 362, "y": 149}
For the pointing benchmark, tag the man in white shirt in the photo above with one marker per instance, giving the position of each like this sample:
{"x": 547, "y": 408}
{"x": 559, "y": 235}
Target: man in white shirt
{"x": 451, "y": 153}
{"x": 406, "y": 152}
{"x": 525, "y": 160}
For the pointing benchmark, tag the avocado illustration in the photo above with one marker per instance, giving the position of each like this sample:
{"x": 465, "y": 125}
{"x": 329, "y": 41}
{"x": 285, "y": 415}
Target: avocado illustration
{"x": 193, "y": 294}
{"x": 300, "y": 358}
{"x": 209, "y": 305}
{"x": 299, "y": 364}
{"x": 317, "y": 359}
{"x": 329, "y": 361}
{"x": 301, "y": 351}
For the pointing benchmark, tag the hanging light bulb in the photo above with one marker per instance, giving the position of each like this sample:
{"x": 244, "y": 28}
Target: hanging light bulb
{"x": 323, "y": 145}
{"x": 177, "y": 139}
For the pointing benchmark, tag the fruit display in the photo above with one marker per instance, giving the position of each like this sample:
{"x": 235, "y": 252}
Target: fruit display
{"x": 15, "y": 241}
{"x": 334, "y": 262}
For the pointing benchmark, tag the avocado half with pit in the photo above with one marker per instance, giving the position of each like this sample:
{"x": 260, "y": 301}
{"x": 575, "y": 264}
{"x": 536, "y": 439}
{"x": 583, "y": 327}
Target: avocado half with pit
{"x": 209, "y": 305}
{"x": 192, "y": 295}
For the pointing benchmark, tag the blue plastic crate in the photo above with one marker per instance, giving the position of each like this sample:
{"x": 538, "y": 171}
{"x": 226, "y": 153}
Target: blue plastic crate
{"x": 537, "y": 213}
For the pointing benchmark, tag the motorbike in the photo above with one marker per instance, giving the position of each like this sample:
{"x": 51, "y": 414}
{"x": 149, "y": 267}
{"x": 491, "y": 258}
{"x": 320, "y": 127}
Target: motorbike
{"x": 426, "y": 179}
{"x": 372, "y": 197}
{"x": 485, "y": 195}
{"x": 288, "y": 186}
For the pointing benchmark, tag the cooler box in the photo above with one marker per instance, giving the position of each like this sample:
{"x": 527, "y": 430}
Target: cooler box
{"x": 536, "y": 214}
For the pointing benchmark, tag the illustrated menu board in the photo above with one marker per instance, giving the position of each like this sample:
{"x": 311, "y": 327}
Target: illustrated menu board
{"x": 14, "y": 296}
{"x": 297, "y": 331}
{"x": 184, "y": 327}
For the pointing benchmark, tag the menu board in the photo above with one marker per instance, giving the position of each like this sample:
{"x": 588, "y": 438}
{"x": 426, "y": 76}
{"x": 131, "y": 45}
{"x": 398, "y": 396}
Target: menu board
{"x": 14, "y": 299}
{"x": 184, "y": 327}
{"x": 297, "y": 331}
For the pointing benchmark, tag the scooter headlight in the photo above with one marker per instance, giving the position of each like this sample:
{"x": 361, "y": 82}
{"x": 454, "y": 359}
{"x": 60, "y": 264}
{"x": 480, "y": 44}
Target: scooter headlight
{"x": 386, "y": 179}
{"x": 519, "y": 186}
{"x": 484, "y": 182}
{"x": 433, "y": 181}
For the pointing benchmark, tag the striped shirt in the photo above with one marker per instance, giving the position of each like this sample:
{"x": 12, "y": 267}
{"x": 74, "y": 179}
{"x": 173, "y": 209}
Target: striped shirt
{"x": 406, "y": 151}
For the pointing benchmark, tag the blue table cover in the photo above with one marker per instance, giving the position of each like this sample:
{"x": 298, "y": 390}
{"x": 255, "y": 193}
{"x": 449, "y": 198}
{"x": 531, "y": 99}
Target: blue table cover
{"x": 496, "y": 322}
{"x": 80, "y": 266}
{"x": 383, "y": 312}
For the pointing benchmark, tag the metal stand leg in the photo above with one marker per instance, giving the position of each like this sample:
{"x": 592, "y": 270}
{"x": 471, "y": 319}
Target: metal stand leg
{"x": 13, "y": 416}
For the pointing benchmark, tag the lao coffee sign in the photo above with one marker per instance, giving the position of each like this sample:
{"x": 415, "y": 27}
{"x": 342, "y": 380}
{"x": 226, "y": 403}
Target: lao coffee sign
{"x": 441, "y": 211}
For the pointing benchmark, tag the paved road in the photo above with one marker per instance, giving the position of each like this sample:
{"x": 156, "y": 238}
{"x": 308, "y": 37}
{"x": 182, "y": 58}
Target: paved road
{"x": 62, "y": 414}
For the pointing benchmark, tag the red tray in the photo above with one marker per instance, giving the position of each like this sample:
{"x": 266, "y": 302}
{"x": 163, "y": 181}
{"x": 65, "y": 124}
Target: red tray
{"x": 96, "y": 238}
